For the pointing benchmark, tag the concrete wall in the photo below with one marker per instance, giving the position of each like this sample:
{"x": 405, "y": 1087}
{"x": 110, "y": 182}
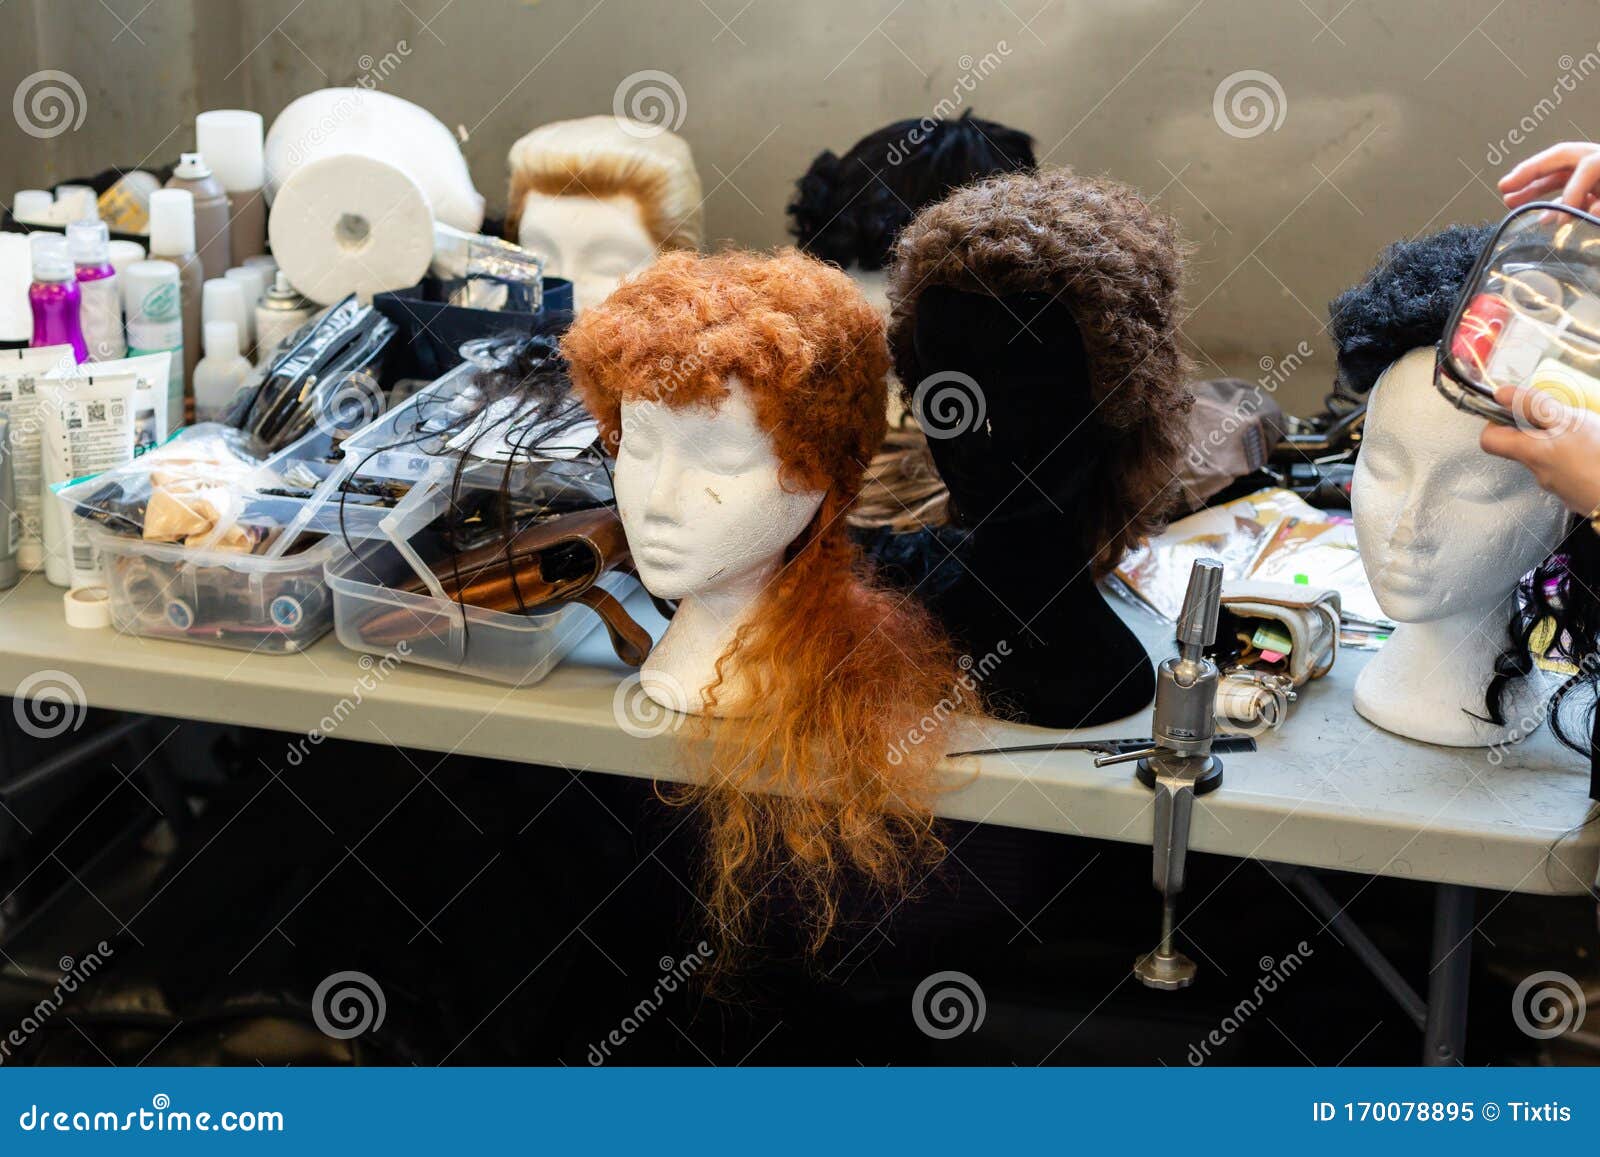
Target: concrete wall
{"x": 1394, "y": 115}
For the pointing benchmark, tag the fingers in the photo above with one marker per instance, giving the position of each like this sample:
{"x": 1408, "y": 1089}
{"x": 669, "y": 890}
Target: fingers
{"x": 1538, "y": 189}
{"x": 1582, "y": 184}
{"x": 1509, "y": 442}
{"x": 1566, "y": 155}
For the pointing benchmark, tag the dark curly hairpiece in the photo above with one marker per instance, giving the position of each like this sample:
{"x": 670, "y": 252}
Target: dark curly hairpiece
{"x": 1116, "y": 264}
{"x": 850, "y": 208}
{"x": 1403, "y": 302}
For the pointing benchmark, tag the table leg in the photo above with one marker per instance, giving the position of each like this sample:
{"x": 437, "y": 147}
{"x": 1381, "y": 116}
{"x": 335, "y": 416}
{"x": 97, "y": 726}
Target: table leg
{"x": 1450, "y": 966}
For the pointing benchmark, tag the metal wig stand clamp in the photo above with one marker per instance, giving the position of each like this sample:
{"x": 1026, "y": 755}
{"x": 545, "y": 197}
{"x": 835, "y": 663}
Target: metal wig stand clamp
{"x": 1180, "y": 766}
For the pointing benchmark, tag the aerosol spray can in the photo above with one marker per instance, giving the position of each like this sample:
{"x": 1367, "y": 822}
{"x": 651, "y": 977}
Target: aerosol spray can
{"x": 232, "y": 143}
{"x": 212, "y": 240}
{"x": 281, "y": 312}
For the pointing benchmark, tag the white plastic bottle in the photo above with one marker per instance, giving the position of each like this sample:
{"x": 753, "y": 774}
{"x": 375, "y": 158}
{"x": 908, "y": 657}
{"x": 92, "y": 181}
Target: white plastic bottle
{"x": 220, "y": 373}
{"x": 100, "y": 311}
{"x": 222, "y": 299}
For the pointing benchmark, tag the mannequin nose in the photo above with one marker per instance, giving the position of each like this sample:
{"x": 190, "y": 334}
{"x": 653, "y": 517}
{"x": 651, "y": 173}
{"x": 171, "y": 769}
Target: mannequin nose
{"x": 1408, "y": 527}
{"x": 662, "y": 502}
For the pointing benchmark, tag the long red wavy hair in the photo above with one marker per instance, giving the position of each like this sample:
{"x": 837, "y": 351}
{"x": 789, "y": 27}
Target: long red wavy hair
{"x": 832, "y": 782}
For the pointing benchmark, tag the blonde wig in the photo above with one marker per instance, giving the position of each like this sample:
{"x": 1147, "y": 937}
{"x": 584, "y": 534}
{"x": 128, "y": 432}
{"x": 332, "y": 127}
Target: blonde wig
{"x": 602, "y": 156}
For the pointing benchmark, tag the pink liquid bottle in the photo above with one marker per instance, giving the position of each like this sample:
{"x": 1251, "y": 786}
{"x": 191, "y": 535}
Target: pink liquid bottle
{"x": 55, "y": 297}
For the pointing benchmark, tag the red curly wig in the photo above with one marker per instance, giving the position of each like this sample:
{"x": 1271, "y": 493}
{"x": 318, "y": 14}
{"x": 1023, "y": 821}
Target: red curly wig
{"x": 832, "y": 782}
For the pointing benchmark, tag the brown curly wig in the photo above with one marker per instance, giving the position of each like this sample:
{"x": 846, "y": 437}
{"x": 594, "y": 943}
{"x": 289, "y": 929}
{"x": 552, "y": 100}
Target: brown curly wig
{"x": 1098, "y": 248}
{"x": 824, "y": 786}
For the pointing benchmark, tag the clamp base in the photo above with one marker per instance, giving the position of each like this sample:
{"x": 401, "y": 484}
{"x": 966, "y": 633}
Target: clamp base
{"x": 1204, "y": 784}
{"x": 1167, "y": 970}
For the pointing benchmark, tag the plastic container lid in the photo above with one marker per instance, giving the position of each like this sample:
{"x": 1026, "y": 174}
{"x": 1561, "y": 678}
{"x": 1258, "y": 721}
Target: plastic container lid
{"x": 222, "y": 299}
{"x": 52, "y": 260}
{"x": 171, "y": 223}
{"x": 232, "y": 141}
{"x": 252, "y": 279}
{"x": 31, "y": 204}
{"x": 222, "y": 340}
{"x": 90, "y": 242}
{"x": 122, "y": 254}
{"x": 83, "y": 196}
{"x": 141, "y": 283}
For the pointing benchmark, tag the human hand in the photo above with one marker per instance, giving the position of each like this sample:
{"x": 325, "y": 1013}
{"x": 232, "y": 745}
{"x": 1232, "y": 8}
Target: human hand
{"x": 1559, "y": 443}
{"x": 1573, "y": 167}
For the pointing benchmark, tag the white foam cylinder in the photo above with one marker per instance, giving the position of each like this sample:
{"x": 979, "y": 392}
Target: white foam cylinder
{"x": 350, "y": 224}
{"x": 357, "y": 121}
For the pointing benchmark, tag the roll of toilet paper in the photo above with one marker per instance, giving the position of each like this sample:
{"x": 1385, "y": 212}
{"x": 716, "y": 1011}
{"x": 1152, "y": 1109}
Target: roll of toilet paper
{"x": 350, "y": 224}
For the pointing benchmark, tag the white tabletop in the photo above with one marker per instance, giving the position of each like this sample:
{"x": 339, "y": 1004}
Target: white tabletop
{"x": 1329, "y": 790}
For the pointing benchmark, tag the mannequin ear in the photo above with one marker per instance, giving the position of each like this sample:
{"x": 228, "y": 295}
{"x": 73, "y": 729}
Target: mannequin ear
{"x": 1030, "y": 336}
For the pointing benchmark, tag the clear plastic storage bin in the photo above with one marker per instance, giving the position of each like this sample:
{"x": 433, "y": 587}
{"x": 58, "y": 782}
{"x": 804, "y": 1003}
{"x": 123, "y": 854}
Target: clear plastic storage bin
{"x": 168, "y": 591}
{"x": 373, "y": 617}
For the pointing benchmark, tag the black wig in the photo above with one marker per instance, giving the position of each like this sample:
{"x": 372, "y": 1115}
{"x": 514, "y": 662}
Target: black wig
{"x": 1404, "y": 303}
{"x": 849, "y": 209}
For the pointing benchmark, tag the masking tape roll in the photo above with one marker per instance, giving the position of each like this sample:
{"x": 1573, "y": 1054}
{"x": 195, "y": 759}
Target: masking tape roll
{"x": 87, "y": 607}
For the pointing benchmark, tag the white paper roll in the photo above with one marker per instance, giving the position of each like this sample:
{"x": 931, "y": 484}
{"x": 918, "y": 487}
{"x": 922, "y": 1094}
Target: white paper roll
{"x": 87, "y": 607}
{"x": 350, "y": 224}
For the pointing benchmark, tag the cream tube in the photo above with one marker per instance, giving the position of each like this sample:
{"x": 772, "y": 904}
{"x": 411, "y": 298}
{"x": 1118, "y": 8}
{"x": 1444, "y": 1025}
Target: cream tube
{"x": 151, "y": 422}
{"x": 87, "y": 429}
{"x": 20, "y": 374}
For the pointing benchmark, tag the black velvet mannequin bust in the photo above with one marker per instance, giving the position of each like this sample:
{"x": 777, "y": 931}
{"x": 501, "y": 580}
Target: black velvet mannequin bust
{"x": 1015, "y": 480}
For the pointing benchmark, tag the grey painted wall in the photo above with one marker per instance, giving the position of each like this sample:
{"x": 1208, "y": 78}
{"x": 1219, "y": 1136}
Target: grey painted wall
{"x": 1394, "y": 115}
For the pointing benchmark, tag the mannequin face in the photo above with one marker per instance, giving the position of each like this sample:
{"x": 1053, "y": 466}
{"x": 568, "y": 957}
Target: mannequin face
{"x": 1443, "y": 528}
{"x": 700, "y": 497}
{"x": 594, "y": 242}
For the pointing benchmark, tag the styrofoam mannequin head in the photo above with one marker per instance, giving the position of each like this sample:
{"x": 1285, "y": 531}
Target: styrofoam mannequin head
{"x": 598, "y": 197}
{"x": 708, "y": 519}
{"x": 701, "y": 498}
{"x": 593, "y": 242}
{"x": 1443, "y": 527}
{"x": 1445, "y": 533}
{"x": 338, "y": 121}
